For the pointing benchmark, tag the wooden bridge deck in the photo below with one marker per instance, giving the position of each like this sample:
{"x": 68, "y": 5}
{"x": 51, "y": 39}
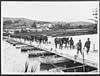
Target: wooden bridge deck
{"x": 78, "y": 59}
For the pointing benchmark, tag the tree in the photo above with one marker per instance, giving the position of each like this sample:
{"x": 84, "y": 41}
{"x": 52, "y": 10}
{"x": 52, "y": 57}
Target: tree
{"x": 95, "y": 18}
{"x": 8, "y": 22}
{"x": 34, "y": 26}
{"x": 80, "y": 26}
{"x": 17, "y": 21}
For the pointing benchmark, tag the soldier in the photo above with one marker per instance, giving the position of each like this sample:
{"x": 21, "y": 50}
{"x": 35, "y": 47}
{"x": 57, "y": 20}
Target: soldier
{"x": 87, "y": 45}
{"x": 61, "y": 44}
{"x": 71, "y": 42}
{"x": 79, "y": 47}
{"x": 55, "y": 42}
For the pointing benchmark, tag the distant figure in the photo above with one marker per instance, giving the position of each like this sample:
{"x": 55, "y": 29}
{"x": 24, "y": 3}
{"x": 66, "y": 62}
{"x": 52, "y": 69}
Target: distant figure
{"x": 32, "y": 70}
{"x": 71, "y": 42}
{"x": 79, "y": 47}
{"x": 55, "y": 42}
{"x": 87, "y": 45}
{"x": 61, "y": 44}
{"x": 26, "y": 67}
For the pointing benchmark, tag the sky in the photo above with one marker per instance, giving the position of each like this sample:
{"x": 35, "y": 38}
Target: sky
{"x": 50, "y": 11}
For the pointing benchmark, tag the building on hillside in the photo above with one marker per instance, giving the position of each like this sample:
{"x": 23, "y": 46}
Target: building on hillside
{"x": 39, "y": 29}
{"x": 9, "y": 31}
{"x": 33, "y": 29}
{"x": 44, "y": 25}
{"x": 44, "y": 28}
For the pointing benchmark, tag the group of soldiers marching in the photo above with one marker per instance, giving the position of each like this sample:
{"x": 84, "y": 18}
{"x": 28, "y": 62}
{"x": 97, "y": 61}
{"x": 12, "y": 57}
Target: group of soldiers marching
{"x": 87, "y": 45}
{"x": 61, "y": 41}
{"x": 72, "y": 46}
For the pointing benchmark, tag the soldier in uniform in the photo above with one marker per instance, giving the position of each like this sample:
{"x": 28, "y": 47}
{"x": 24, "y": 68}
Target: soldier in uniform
{"x": 71, "y": 42}
{"x": 79, "y": 47}
{"x": 87, "y": 45}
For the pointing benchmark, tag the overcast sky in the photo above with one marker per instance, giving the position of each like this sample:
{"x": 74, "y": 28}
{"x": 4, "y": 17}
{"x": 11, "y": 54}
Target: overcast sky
{"x": 50, "y": 11}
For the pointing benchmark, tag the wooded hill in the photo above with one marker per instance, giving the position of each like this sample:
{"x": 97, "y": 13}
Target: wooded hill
{"x": 24, "y": 23}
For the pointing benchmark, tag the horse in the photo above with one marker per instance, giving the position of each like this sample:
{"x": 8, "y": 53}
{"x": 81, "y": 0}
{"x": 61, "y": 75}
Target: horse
{"x": 40, "y": 38}
{"x": 44, "y": 39}
{"x": 66, "y": 41}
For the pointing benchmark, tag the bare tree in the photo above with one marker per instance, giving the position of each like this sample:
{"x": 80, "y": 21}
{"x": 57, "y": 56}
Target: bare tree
{"x": 95, "y": 16}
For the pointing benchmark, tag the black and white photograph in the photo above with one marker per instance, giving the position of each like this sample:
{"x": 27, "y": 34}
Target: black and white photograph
{"x": 50, "y": 37}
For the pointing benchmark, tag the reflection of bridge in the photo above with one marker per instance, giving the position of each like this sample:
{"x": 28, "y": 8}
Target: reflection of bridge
{"x": 90, "y": 59}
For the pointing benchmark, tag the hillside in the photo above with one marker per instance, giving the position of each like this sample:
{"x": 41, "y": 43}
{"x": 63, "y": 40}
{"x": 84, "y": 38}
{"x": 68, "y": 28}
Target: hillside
{"x": 80, "y": 23}
{"x": 20, "y": 22}
{"x": 23, "y": 23}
